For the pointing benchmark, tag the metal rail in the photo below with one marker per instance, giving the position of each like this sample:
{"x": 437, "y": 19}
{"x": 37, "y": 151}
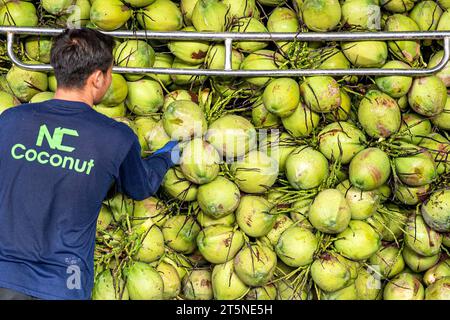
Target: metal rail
{"x": 228, "y": 38}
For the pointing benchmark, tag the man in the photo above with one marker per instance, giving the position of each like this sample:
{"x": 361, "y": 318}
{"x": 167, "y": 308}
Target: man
{"x": 58, "y": 160}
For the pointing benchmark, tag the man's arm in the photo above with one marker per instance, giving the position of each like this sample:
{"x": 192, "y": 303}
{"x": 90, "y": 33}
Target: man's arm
{"x": 141, "y": 178}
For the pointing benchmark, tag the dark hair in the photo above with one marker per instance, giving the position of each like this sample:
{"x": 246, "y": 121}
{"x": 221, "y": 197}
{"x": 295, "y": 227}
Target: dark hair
{"x": 77, "y": 53}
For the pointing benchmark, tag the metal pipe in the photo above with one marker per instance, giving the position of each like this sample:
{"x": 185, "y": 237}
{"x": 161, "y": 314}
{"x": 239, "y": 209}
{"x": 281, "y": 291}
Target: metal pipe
{"x": 245, "y": 36}
{"x": 228, "y": 54}
{"x": 228, "y": 39}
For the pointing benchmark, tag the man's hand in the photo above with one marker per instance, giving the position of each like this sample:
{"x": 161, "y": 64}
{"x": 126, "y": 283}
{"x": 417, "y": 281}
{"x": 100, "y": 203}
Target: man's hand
{"x": 174, "y": 148}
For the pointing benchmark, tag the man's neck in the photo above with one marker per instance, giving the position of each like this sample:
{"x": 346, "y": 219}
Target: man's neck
{"x": 74, "y": 95}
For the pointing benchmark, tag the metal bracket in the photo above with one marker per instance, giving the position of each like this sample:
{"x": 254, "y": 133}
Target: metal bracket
{"x": 228, "y": 38}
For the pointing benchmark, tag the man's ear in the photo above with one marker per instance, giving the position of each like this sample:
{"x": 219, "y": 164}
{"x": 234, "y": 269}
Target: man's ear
{"x": 97, "y": 79}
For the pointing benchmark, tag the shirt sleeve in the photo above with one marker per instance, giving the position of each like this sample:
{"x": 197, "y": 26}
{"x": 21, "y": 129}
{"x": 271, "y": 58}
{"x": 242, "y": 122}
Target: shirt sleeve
{"x": 141, "y": 178}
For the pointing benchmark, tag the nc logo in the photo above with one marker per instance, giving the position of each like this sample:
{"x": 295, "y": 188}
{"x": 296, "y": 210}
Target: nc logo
{"x": 74, "y": 280}
{"x": 55, "y": 141}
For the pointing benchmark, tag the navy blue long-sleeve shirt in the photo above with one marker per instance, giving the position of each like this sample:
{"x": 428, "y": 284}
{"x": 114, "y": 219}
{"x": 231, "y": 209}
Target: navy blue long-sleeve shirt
{"x": 58, "y": 159}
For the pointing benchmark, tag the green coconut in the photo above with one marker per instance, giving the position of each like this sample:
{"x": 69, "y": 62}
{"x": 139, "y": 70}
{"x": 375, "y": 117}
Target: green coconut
{"x": 341, "y": 140}
{"x": 437, "y": 272}
{"x": 239, "y": 8}
{"x": 177, "y": 186}
{"x": 426, "y": 14}
{"x": 362, "y": 204}
{"x": 444, "y": 74}
{"x": 152, "y": 246}
{"x": 26, "y": 84}
{"x": 414, "y": 128}
{"x": 411, "y": 195}
{"x": 199, "y": 161}
{"x": 306, "y": 168}
{"x": 330, "y": 212}
{"x": 255, "y": 173}
{"x": 282, "y": 96}
{"x": 215, "y": 58}
{"x": 369, "y": 169}
{"x": 197, "y": 285}
{"x": 180, "y": 233}
{"x": 18, "y": 14}
{"x": 249, "y": 25}
{"x": 347, "y": 293}
{"x": 440, "y": 290}
{"x": 179, "y": 94}
{"x": 366, "y": 54}
{"x": 105, "y": 218}
{"x": 255, "y": 216}
{"x": 262, "y": 118}
{"x": 185, "y": 80}
{"x": 184, "y": 119}
{"x": 283, "y": 19}
{"x": 110, "y": 15}
{"x": 160, "y": 15}
{"x": 417, "y": 262}
{"x": 282, "y": 222}
{"x": 331, "y": 272}
{"x": 388, "y": 260}
{"x": 267, "y": 292}
{"x": 321, "y": 15}
{"x": 144, "y": 282}
{"x": 219, "y": 243}
{"x": 286, "y": 290}
{"x": 206, "y": 221}
{"x": 358, "y": 242}
{"x": 152, "y": 209}
{"x": 416, "y": 168}
{"x": 193, "y": 52}
{"x": 442, "y": 120}
{"x": 300, "y": 212}
{"x": 368, "y": 285}
{"x": 226, "y": 284}
{"x": 145, "y": 97}
{"x": 405, "y": 50}
{"x": 261, "y": 60}
{"x": 38, "y": 48}
{"x": 255, "y": 264}
{"x": 42, "y": 96}
{"x": 397, "y": 5}
{"x": 219, "y": 197}
{"x": 395, "y": 86}
{"x": 436, "y": 211}
{"x": 171, "y": 280}
{"x": 117, "y": 92}
{"x": 301, "y": 122}
{"x": 210, "y": 15}
{"x": 144, "y": 125}
{"x": 321, "y": 93}
{"x": 162, "y": 61}
{"x": 421, "y": 238}
{"x": 108, "y": 288}
{"x": 77, "y": 15}
{"x": 232, "y": 135}
{"x": 379, "y": 114}
{"x": 404, "y": 287}
{"x": 277, "y": 146}
{"x": 439, "y": 147}
{"x": 134, "y": 54}
{"x": 362, "y": 14}
{"x": 296, "y": 246}
{"x": 156, "y": 137}
{"x": 428, "y": 96}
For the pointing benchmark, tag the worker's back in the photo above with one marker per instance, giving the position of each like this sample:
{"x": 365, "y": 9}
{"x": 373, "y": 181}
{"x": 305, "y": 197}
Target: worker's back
{"x": 58, "y": 160}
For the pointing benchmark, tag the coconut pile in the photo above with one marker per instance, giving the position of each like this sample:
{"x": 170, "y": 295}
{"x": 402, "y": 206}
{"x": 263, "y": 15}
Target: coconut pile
{"x": 288, "y": 188}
